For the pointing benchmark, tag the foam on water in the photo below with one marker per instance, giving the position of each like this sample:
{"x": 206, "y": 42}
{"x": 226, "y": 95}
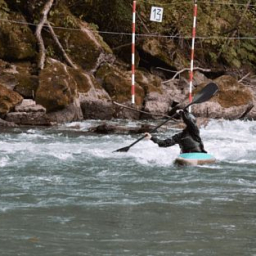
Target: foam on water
{"x": 228, "y": 141}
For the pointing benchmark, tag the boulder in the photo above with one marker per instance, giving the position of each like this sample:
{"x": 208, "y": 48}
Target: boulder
{"x": 57, "y": 87}
{"x": 8, "y": 100}
{"x": 28, "y": 118}
{"x": 17, "y": 77}
{"x": 117, "y": 83}
{"x": 230, "y": 102}
{"x": 27, "y": 85}
{"x": 8, "y": 80}
{"x": 4, "y": 123}
{"x": 94, "y": 101}
{"x": 94, "y": 108}
{"x": 28, "y": 105}
{"x": 164, "y": 51}
{"x": 251, "y": 85}
{"x": 28, "y": 113}
{"x": 85, "y": 45}
{"x": 70, "y": 113}
{"x": 161, "y": 101}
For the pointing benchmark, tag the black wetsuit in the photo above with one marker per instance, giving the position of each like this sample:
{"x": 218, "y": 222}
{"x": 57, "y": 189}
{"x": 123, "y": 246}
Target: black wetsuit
{"x": 189, "y": 139}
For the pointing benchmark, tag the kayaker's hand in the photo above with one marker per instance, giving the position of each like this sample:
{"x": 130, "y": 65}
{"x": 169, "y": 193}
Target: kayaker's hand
{"x": 179, "y": 111}
{"x": 148, "y": 136}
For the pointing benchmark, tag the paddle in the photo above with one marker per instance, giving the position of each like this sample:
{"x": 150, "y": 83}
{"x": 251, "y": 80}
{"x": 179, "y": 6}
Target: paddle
{"x": 205, "y": 94}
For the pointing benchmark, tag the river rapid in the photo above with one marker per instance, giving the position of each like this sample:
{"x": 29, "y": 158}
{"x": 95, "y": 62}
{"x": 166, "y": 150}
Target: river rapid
{"x": 65, "y": 193}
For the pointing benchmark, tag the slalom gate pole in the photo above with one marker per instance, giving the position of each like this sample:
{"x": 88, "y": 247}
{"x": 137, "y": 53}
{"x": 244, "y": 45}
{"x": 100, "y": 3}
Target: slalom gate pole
{"x": 192, "y": 54}
{"x": 133, "y": 51}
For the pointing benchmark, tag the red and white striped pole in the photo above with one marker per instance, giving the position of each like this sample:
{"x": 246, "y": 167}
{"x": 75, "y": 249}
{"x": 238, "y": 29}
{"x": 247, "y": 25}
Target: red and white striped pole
{"x": 192, "y": 54}
{"x": 133, "y": 51}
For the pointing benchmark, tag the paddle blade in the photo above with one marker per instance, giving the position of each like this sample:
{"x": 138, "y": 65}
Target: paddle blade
{"x": 206, "y": 93}
{"x": 125, "y": 149}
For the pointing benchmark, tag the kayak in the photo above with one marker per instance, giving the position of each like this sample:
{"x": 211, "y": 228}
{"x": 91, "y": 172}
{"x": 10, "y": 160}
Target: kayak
{"x": 194, "y": 159}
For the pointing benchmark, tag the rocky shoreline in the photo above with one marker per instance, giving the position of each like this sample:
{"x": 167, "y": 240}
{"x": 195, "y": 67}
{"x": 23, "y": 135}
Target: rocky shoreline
{"x": 233, "y": 101}
{"x": 97, "y": 80}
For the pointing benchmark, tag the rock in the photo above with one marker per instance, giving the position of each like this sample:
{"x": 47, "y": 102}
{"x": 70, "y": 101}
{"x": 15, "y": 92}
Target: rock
{"x": 85, "y": 46}
{"x": 71, "y": 113}
{"x": 156, "y": 103}
{"x": 28, "y": 118}
{"x": 8, "y": 100}
{"x": 8, "y": 80}
{"x": 18, "y": 78}
{"x": 251, "y": 86}
{"x": 117, "y": 83}
{"x": 97, "y": 109}
{"x": 4, "y": 123}
{"x": 230, "y": 102}
{"x": 27, "y": 85}
{"x": 94, "y": 100}
{"x": 16, "y": 42}
{"x": 28, "y": 105}
{"x": 123, "y": 113}
{"x": 57, "y": 87}
{"x": 199, "y": 78}
{"x": 156, "y": 50}
{"x": 162, "y": 100}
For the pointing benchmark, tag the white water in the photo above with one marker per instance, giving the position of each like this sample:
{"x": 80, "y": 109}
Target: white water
{"x": 63, "y": 191}
{"x": 228, "y": 141}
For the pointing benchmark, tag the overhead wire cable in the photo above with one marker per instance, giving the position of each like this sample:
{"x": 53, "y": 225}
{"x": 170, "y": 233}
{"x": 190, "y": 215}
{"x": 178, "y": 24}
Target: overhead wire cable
{"x": 137, "y": 34}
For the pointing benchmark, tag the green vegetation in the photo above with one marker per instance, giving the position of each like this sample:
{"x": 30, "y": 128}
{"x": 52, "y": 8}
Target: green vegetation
{"x": 225, "y": 30}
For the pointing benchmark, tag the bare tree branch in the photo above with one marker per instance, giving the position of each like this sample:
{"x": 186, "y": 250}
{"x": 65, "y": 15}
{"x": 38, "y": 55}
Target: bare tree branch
{"x": 183, "y": 70}
{"x": 244, "y": 77}
{"x": 69, "y": 61}
{"x": 38, "y": 34}
{"x": 143, "y": 112}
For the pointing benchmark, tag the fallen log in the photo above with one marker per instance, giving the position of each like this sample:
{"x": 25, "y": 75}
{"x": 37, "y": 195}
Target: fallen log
{"x": 113, "y": 129}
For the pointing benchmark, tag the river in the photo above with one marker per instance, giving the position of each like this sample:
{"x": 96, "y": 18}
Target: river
{"x": 65, "y": 193}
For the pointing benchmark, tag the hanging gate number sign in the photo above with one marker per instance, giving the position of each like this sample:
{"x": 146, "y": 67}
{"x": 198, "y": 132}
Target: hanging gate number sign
{"x": 156, "y": 14}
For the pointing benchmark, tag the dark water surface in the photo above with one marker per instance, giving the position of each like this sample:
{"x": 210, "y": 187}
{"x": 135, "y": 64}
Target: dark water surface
{"x": 63, "y": 193}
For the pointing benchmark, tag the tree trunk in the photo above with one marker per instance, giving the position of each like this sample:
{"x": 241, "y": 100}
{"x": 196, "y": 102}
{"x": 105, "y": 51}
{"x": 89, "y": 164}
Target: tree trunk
{"x": 46, "y": 9}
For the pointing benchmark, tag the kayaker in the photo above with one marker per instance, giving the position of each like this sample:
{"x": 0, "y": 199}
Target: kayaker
{"x": 189, "y": 139}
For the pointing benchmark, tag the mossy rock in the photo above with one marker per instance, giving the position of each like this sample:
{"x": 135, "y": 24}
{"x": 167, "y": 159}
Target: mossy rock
{"x": 108, "y": 16}
{"x": 27, "y": 85}
{"x": 16, "y": 42}
{"x": 8, "y": 100}
{"x": 84, "y": 81}
{"x": 231, "y": 93}
{"x": 57, "y": 87}
{"x": 117, "y": 83}
{"x": 81, "y": 41}
{"x": 165, "y": 51}
{"x": 149, "y": 82}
